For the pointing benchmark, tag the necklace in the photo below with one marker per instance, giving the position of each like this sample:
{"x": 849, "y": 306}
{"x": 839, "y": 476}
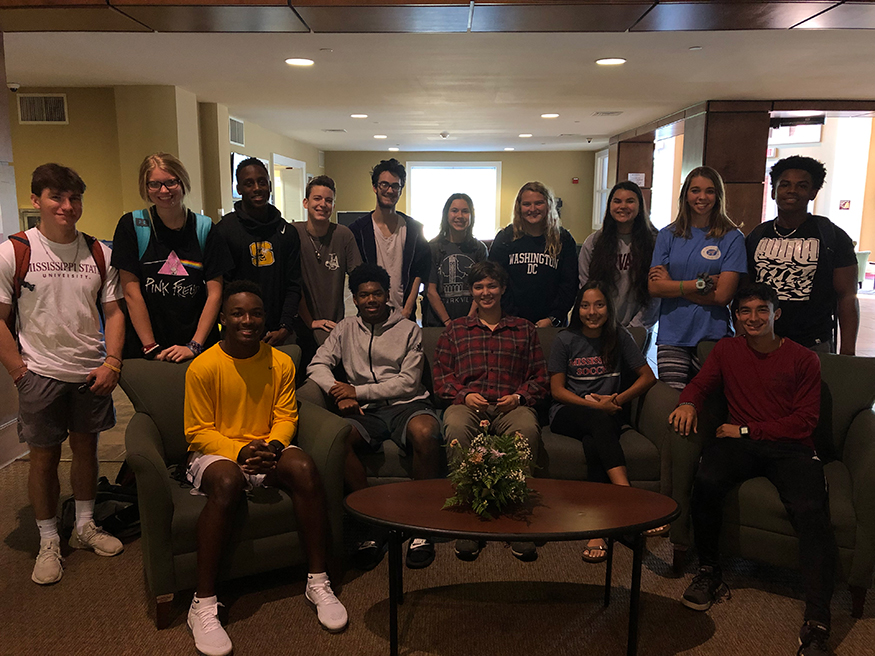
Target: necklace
{"x": 57, "y": 258}
{"x": 315, "y": 242}
{"x": 789, "y": 234}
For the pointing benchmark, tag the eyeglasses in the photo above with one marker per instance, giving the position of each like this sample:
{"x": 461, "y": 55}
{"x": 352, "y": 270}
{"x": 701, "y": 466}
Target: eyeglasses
{"x": 169, "y": 185}
{"x": 386, "y": 186}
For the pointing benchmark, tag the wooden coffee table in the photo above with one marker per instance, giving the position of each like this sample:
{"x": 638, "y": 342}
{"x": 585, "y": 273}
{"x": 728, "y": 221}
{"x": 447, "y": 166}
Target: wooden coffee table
{"x": 561, "y": 510}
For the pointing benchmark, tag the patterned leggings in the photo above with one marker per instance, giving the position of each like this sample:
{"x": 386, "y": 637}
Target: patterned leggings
{"x": 677, "y": 364}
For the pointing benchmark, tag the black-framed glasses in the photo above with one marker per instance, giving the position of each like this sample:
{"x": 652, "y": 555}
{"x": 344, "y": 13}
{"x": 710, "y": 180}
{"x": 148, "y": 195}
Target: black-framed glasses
{"x": 386, "y": 186}
{"x": 169, "y": 185}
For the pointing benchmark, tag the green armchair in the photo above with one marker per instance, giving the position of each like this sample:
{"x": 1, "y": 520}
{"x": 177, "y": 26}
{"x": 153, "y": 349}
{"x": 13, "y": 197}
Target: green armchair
{"x": 265, "y": 535}
{"x": 756, "y": 526}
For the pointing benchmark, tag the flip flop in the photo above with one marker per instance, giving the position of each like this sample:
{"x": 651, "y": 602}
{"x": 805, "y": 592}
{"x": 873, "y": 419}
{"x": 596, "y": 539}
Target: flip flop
{"x": 656, "y": 532}
{"x": 588, "y": 554}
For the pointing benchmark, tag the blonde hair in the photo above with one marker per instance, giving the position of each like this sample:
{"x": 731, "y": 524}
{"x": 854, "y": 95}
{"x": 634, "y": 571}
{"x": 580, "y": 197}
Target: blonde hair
{"x": 166, "y": 162}
{"x": 719, "y": 223}
{"x": 553, "y": 223}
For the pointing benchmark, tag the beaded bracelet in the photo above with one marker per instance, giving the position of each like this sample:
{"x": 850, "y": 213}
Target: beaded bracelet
{"x": 195, "y": 347}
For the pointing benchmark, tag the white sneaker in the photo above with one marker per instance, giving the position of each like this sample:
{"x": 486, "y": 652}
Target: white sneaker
{"x": 209, "y": 636}
{"x": 49, "y": 567}
{"x": 95, "y": 538}
{"x": 331, "y": 613}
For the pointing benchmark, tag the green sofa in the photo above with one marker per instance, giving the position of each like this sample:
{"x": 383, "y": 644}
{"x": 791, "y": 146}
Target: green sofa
{"x": 645, "y": 439}
{"x": 755, "y": 525}
{"x": 265, "y": 536}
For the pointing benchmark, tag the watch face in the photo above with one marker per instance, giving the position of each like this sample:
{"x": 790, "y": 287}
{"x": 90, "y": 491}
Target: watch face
{"x": 700, "y": 284}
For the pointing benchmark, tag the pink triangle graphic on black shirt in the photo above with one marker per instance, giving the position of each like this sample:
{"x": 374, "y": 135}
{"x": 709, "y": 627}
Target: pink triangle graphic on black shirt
{"x": 173, "y": 266}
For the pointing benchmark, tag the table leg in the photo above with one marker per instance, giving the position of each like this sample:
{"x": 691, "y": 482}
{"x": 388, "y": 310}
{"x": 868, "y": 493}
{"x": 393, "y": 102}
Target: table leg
{"x": 635, "y": 594}
{"x": 608, "y": 570}
{"x": 395, "y": 589}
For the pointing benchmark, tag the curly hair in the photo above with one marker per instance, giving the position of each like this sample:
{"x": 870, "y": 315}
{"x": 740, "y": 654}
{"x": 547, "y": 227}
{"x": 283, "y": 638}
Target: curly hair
{"x": 811, "y": 166}
{"x": 554, "y": 243}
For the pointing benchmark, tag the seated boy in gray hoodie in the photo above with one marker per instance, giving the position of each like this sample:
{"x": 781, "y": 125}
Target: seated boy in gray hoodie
{"x": 381, "y": 353}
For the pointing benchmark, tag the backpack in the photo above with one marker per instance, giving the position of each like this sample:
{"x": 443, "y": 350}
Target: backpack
{"x": 21, "y": 250}
{"x": 115, "y": 510}
{"x": 143, "y": 228}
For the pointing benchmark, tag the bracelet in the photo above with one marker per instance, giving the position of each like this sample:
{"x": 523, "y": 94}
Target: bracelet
{"x": 17, "y": 378}
{"x": 682, "y": 287}
{"x": 687, "y": 403}
{"x": 149, "y": 347}
{"x": 22, "y": 366}
{"x": 149, "y": 352}
{"x": 119, "y": 360}
{"x": 111, "y": 367}
{"x": 195, "y": 347}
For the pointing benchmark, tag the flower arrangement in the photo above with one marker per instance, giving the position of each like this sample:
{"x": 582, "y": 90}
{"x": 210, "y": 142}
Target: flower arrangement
{"x": 491, "y": 474}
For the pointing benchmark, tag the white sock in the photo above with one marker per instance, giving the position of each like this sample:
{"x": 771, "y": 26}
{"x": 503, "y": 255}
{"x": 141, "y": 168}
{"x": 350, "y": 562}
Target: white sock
{"x": 84, "y": 513}
{"x": 48, "y": 529}
{"x": 204, "y": 601}
{"x": 317, "y": 578}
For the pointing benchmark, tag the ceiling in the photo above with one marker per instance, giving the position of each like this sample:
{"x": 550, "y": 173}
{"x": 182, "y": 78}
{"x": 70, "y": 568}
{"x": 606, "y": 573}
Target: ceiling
{"x": 483, "y": 88}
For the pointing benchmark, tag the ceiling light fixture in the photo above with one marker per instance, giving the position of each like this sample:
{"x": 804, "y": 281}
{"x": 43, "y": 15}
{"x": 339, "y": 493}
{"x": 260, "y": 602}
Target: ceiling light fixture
{"x": 299, "y": 61}
{"x": 549, "y": 115}
{"x": 394, "y": 149}
{"x": 358, "y": 115}
{"x": 525, "y": 135}
{"x": 380, "y": 136}
{"x": 610, "y": 61}
{"x": 508, "y": 148}
{"x": 695, "y": 47}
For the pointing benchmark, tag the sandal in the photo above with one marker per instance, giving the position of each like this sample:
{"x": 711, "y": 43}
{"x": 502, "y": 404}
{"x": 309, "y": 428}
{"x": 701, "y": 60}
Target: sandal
{"x": 595, "y": 554}
{"x": 656, "y": 532}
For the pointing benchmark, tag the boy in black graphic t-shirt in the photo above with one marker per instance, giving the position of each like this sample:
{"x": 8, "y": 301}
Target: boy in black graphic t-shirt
{"x": 808, "y": 260}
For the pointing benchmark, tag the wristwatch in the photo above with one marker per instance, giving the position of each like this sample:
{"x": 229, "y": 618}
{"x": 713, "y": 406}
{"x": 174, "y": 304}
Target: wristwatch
{"x": 744, "y": 431}
{"x": 521, "y": 398}
{"x": 704, "y": 284}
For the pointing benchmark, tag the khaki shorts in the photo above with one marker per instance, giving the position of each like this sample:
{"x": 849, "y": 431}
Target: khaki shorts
{"x": 49, "y": 409}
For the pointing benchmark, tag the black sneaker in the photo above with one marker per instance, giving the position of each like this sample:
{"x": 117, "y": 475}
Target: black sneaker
{"x": 420, "y": 553}
{"x": 706, "y": 589}
{"x": 368, "y": 554}
{"x": 813, "y": 639}
{"x": 524, "y": 551}
{"x": 468, "y": 550}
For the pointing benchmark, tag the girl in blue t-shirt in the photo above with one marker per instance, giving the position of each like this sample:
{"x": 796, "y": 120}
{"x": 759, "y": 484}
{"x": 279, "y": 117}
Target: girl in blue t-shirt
{"x": 697, "y": 262}
{"x": 585, "y": 365}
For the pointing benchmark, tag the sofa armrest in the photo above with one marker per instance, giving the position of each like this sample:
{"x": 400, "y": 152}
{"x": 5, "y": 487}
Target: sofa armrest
{"x": 145, "y": 456}
{"x": 322, "y": 435}
{"x": 650, "y": 412}
{"x": 311, "y": 393}
{"x": 858, "y": 456}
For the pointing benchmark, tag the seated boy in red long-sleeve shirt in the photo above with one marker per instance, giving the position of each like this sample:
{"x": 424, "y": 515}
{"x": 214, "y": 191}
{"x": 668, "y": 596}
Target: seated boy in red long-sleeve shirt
{"x": 772, "y": 386}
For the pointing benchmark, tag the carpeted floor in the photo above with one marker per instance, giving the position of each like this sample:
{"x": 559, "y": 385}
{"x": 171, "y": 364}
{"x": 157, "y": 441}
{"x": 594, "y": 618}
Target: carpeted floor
{"x": 495, "y": 606}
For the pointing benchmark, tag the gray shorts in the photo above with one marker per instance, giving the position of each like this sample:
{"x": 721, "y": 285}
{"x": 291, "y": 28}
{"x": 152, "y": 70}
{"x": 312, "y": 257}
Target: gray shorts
{"x": 390, "y": 422}
{"x": 49, "y": 409}
{"x": 198, "y": 463}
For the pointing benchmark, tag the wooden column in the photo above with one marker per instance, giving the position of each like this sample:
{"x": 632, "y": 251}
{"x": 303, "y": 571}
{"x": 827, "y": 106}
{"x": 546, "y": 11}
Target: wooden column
{"x": 636, "y": 157}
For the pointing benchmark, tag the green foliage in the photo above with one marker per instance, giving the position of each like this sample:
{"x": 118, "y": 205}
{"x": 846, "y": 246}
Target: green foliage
{"x": 491, "y": 474}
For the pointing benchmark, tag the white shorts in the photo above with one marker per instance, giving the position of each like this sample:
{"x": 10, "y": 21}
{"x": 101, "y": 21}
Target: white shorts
{"x": 198, "y": 463}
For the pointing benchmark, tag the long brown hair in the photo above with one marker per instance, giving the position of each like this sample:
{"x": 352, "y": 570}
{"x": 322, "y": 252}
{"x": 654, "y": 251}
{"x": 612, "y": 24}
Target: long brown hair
{"x": 554, "y": 243}
{"x": 719, "y": 224}
{"x": 610, "y": 339}
{"x": 603, "y": 263}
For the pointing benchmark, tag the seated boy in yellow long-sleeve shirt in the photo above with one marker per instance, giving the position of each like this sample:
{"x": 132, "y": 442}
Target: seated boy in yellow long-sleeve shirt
{"x": 240, "y": 420}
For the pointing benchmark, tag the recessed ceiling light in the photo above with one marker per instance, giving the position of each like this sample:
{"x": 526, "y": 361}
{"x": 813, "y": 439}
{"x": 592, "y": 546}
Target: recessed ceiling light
{"x": 508, "y": 148}
{"x": 380, "y": 136}
{"x": 299, "y": 61}
{"x": 358, "y": 115}
{"x": 394, "y": 150}
{"x": 610, "y": 61}
{"x": 695, "y": 47}
{"x": 525, "y": 135}
{"x": 549, "y": 115}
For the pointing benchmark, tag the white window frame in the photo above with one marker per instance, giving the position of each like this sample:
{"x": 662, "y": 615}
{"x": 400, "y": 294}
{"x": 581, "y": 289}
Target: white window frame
{"x": 600, "y": 188}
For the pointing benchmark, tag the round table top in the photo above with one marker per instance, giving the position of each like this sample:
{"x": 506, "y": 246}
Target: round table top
{"x": 559, "y": 510}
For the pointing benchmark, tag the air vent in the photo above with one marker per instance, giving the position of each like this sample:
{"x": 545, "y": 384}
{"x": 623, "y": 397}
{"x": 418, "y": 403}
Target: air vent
{"x": 606, "y": 113}
{"x": 237, "y": 136}
{"x": 340, "y": 130}
{"x": 40, "y": 109}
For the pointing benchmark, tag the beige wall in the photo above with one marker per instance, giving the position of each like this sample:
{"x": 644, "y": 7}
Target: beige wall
{"x": 189, "y": 149}
{"x": 351, "y": 172}
{"x": 89, "y": 144}
{"x": 867, "y": 228}
{"x": 215, "y": 159}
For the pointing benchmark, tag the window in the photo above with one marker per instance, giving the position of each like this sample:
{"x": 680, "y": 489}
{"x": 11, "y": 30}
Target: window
{"x": 602, "y": 189}
{"x": 429, "y": 184}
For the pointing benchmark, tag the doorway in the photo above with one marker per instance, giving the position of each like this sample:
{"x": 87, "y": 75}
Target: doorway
{"x": 289, "y": 183}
